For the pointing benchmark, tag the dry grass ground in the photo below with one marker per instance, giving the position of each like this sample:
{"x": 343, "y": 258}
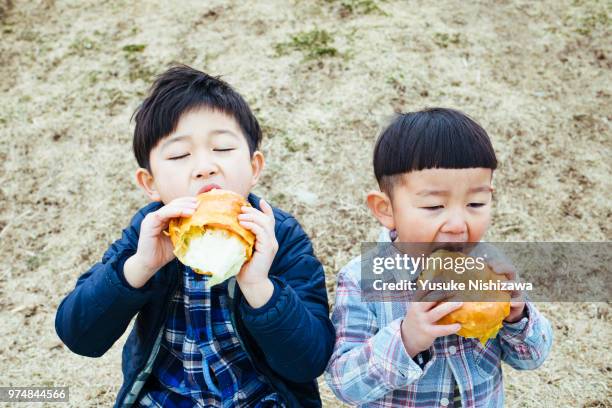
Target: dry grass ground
{"x": 322, "y": 76}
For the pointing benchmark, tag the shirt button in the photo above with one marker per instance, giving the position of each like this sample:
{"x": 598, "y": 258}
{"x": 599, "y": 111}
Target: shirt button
{"x": 444, "y": 402}
{"x": 452, "y": 350}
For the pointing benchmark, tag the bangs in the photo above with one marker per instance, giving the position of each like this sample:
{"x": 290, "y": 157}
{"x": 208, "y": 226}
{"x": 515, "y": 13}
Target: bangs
{"x": 178, "y": 91}
{"x": 433, "y": 138}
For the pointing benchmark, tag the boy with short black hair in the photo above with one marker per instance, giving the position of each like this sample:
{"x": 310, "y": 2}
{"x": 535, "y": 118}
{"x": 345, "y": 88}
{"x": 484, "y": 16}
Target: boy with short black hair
{"x": 434, "y": 169}
{"x": 257, "y": 340}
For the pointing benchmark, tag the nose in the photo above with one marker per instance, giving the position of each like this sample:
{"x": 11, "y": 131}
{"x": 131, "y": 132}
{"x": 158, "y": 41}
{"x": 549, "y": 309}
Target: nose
{"x": 205, "y": 167}
{"x": 456, "y": 224}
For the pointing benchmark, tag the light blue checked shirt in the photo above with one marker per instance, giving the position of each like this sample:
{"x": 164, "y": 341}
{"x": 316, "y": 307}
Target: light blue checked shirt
{"x": 371, "y": 368}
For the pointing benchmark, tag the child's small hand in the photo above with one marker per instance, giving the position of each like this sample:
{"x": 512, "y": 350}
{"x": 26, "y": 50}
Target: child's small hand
{"x": 155, "y": 248}
{"x": 419, "y": 328}
{"x": 253, "y": 277}
{"x": 517, "y": 299}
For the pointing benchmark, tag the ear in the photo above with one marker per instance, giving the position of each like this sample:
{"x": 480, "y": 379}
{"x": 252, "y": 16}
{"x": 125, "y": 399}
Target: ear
{"x": 147, "y": 183}
{"x": 380, "y": 205}
{"x": 258, "y": 163}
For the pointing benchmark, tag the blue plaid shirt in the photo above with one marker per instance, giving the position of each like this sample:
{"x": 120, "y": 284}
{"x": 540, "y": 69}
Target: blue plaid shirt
{"x": 201, "y": 362}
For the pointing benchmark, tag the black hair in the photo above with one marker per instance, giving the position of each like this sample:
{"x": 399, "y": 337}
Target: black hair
{"x": 431, "y": 138}
{"x": 182, "y": 89}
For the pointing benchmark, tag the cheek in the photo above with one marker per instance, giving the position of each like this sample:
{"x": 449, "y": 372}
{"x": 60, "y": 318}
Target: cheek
{"x": 238, "y": 174}
{"x": 244, "y": 169}
{"x": 174, "y": 176}
{"x": 173, "y": 181}
{"x": 479, "y": 226}
{"x": 239, "y": 171}
{"x": 413, "y": 227}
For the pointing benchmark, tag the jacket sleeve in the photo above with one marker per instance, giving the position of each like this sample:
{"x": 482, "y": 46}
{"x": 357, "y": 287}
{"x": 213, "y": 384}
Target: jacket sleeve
{"x": 293, "y": 328}
{"x": 98, "y": 310}
{"x": 368, "y": 361}
{"x": 525, "y": 344}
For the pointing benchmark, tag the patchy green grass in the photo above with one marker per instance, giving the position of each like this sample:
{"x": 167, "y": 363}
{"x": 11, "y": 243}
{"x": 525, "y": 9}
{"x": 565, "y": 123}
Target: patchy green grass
{"x": 115, "y": 100}
{"x": 33, "y": 261}
{"x": 83, "y": 45}
{"x": 443, "y": 40}
{"x": 594, "y": 21}
{"x": 357, "y": 7}
{"x": 293, "y": 146}
{"x": 314, "y": 44}
{"x": 138, "y": 67}
{"x": 134, "y": 47}
{"x": 589, "y": 17}
{"x": 396, "y": 79}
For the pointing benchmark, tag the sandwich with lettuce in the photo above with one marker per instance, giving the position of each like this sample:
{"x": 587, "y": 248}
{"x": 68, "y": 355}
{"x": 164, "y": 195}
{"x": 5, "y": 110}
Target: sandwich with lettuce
{"x": 211, "y": 241}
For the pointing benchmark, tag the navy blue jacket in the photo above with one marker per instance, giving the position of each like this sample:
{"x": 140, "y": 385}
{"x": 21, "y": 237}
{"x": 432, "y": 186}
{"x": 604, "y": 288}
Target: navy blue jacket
{"x": 289, "y": 339}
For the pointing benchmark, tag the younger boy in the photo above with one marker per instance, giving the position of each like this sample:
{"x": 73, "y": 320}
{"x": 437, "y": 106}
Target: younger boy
{"x": 434, "y": 169}
{"x": 259, "y": 340}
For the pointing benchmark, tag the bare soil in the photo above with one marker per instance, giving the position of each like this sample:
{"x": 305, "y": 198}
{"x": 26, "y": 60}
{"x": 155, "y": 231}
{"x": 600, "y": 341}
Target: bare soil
{"x": 322, "y": 77}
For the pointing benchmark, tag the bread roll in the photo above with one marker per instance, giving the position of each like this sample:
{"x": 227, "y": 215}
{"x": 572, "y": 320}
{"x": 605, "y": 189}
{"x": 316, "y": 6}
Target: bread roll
{"x": 481, "y": 320}
{"x": 211, "y": 241}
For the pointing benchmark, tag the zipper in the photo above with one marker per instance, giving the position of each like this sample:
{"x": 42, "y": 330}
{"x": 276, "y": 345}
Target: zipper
{"x": 131, "y": 395}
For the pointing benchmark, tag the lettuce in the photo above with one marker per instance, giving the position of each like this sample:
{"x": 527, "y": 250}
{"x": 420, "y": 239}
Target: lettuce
{"x": 212, "y": 251}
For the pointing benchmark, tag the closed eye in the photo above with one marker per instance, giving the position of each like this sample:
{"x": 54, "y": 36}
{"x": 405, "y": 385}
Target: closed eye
{"x": 433, "y": 208}
{"x": 178, "y": 157}
{"x": 475, "y": 205}
{"x": 223, "y": 150}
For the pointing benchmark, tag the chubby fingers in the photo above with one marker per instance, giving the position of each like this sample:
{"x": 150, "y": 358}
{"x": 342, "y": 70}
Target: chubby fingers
{"x": 176, "y": 208}
{"x": 440, "y": 330}
{"x": 442, "y": 310}
{"x": 264, "y": 218}
{"x": 516, "y": 303}
{"x": 503, "y": 268}
{"x": 430, "y": 300}
{"x": 438, "y": 296}
{"x": 256, "y": 217}
{"x": 517, "y": 296}
{"x": 260, "y": 223}
{"x": 254, "y": 228}
{"x": 266, "y": 208}
{"x": 185, "y": 199}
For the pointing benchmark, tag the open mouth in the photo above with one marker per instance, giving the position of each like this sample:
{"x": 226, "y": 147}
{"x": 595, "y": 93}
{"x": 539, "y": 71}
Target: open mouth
{"x": 450, "y": 246}
{"x": 208, "y": 187}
